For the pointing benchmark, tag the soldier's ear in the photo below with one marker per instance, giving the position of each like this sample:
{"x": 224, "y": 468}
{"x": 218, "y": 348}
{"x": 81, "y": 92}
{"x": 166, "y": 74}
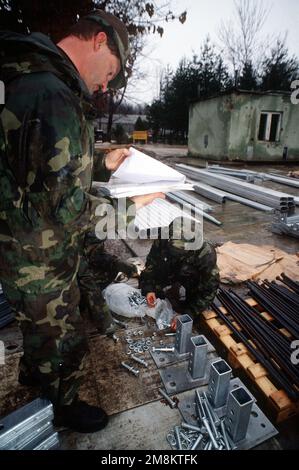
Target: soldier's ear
{"x": 99, "y": 40}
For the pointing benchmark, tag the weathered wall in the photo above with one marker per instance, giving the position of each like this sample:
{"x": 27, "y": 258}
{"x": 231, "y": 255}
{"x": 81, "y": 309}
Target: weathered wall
{"x": 232, "y": 124}
{"x": 209, "y": 118}
{"x": 245, "y": 120}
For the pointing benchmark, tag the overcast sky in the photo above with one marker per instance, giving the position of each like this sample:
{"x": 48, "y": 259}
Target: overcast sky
{"x": 203, "y": 18}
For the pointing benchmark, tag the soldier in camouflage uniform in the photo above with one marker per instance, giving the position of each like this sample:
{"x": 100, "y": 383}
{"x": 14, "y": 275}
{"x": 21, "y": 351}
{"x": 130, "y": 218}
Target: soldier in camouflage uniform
{"x": 188, "y": 278}
{"x": 97, "y": 270}
{"x": 46, "y": 147}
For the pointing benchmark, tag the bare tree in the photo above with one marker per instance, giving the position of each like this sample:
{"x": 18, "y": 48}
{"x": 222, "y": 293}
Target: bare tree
{"x": 241, "y": 37}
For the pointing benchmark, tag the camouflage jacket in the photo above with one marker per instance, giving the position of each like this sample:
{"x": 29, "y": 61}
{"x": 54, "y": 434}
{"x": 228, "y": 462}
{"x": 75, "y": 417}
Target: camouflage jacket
{"x": 46, "y": 160}
{"x": 169, "y": 265}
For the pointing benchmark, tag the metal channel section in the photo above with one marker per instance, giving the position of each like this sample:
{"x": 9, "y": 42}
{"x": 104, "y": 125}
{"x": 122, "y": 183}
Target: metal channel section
{"x": 219, "y": 381}
{"x": 238, "y": 414}
{"x": 197, "y": 211}
{"x": 51, "y": 443}
{"x": 26, "y": 427}
{"x": 259, "y": 430}
{"x": 202, "y": 206}
{"x": 260, "y": 194}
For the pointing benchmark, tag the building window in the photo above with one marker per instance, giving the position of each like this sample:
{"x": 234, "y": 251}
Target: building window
{"x": 270, "y": 126}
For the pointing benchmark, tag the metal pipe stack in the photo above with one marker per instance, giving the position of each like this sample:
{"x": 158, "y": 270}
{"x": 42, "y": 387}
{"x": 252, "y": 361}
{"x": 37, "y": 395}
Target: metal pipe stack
{"x": 271, "y": 347}
{"x": 262, "y": 195}
{"x": 284, "y": 225}
{"x": 194, "y": 207}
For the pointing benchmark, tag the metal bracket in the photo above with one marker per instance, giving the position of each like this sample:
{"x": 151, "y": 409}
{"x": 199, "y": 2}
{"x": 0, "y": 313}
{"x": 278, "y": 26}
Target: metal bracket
{"x": 166, "y": 359}
{"x": 259, "y": 429}
{"x": 184, "y": 376}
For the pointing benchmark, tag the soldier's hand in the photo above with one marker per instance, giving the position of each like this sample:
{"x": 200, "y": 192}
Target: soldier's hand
{"x": 174, "y": 323}
{"x": 115, "y": 158}
{"x": 151, "y": 299}
{"x": 143, "y": 200}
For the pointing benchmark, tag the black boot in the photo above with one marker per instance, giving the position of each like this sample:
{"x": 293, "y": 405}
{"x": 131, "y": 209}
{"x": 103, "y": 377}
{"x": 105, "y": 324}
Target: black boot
{"x": 28, "y": 380}
{"x": 81, "y": 417}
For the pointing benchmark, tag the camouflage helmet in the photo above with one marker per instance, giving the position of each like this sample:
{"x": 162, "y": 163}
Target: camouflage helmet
{"x": 121, "y": 40}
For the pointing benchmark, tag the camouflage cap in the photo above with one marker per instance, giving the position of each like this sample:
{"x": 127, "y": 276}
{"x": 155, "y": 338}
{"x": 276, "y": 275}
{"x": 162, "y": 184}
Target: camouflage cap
{"x": 120, "y": 37}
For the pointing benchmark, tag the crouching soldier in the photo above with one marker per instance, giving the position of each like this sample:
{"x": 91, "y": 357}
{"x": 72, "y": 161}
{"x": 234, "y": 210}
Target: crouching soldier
{"x": 97, "y": 270}
{"x": 188, "y": 278}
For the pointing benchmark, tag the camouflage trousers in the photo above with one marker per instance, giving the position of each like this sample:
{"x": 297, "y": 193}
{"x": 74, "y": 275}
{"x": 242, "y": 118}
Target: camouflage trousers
{"x": 92, "y": 304}
{"x": 54, "y": 340}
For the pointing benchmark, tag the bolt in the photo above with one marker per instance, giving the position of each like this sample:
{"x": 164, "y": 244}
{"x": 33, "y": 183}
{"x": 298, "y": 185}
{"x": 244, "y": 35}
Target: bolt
{"x": 171, "y": 403}
{"x": 178, "y": 437}
{"x": 197, "y": 442}
{"x": 224, "y": 435}
{"x": 115, "y": 338}
{"x": 213, "y": 413}
{"x": 207, "y": 426}
{"x": 138, "y": 359}
{"x": 130, "y": 368}
{"x": 214, "y": 429}
{"x": 191, "y": 427}
{"x": 206, "y": 447}
{"x": 163, "y": 349}
{"x": 170, "y": 334}
{"x": 120, "y": 323}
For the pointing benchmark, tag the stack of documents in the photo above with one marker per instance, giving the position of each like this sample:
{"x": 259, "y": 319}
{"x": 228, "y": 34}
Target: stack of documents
{"x": 140, "y": 174}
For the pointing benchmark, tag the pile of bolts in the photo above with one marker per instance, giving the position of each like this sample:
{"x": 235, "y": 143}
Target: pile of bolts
{"x": 210, "y": 434}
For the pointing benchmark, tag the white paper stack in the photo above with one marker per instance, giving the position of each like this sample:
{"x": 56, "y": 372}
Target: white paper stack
{"x": 140, "y": 174}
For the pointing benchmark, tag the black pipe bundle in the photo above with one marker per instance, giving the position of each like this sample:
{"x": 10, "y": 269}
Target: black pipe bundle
{"x": 280, "y": 305}
{"x": 273, "y": 349}
{"x": 289, "y": 282}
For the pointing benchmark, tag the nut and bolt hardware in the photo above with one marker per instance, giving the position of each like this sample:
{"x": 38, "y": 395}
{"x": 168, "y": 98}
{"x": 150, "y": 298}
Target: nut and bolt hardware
{"x": 224, "y": 435}
{"x": 171, "y": 403}
{"x": 197, "y": 442}
{"x": 115, "y": 338}
{"x": 190, "y": 427}
{"x": 130, "y": 369}
{"x": 138, "y": 359}
{"x": 163, "y": 350}
{"x": 178, "y": 437}
{"x": 205, "y": 421}
{"x": 120, "y": 323}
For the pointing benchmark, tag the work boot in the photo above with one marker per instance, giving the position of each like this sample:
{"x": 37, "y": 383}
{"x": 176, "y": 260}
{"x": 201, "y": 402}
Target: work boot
{"x": 28, "y": 380}
{"x": 81, "y": 417}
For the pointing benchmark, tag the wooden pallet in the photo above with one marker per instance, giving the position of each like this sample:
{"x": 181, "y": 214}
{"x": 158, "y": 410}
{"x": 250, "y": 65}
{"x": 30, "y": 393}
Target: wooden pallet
{"x": 279, "y": 405}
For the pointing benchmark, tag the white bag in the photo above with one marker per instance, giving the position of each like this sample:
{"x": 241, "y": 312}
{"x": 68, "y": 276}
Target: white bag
{"x": 117, "y": 297}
